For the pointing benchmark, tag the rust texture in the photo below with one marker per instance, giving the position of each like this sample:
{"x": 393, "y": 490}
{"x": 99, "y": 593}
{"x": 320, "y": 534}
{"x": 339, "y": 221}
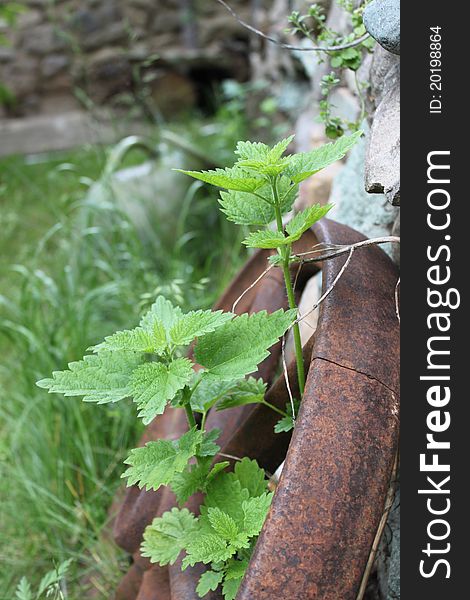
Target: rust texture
{"x": 318, "y": 534}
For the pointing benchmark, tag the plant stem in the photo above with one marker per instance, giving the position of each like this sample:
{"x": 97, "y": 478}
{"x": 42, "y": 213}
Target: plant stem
{"x": 284, "y": 253}
{"x": 275, "y": 408}
{"x": 187, "y": 393}
{"x": 189, "y": 415}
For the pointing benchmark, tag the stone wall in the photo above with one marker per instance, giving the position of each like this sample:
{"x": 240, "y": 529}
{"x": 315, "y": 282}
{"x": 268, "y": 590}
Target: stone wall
{"x": 103, "y": 50}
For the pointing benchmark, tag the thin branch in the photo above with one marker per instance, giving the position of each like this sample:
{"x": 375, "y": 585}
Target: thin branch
{"x": 397, "y": 301}
{"x": 246, "y": 25}
{"x": 286, "y": 377}
{"x": 331, "y": 288}
{"x": 383, "y": 521}
{"x": 338, "y": 250}
{"x": 231, "y": 456}
{"x": 265, "y": 272}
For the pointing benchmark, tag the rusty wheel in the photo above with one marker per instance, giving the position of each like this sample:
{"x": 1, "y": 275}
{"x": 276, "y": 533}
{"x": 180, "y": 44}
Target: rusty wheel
{"x": 316, "y": 540}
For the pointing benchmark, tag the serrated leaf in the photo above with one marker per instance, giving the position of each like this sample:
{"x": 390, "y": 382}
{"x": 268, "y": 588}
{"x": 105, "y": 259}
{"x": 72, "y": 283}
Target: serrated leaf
{"x": 278, "y": 150}
{"x": 251, "y": 476}
{"x": 157, "y": 462}
{"x": 223, "y": 524}
{"x": 209, "y": 581}
{"x": 196, "y": 324}
{"x": 100, "y": 378}
{"x": 208, "y": 446}
{"x": 162, "y": 313}
{"x": 247, "y": 391}
{"x": 255, "y": 511}
{"x": 246, "y": 209}
{"x": 206, "y": 548}
{"x": 23, "y": 590}
{"x": 266, "y": 239}
{"x": 261, "y": 152}
{"x": 252, "y": 150}
{"x": 191, "y": 480}
{"x": 153, "y": 384}
{"x": 166, "y": 537}
{"x": 305, "y": 164}
{"x": 209, "y": 391}
{"x": 235, "y": 349}
{"x": 134, "y": 340}
{"x": 287, "y": 423}
{"x": 271, "y": 169}
{"x": 216, "y": 469}
{"x": 233, "y": 178}
{"x": 305, "y": 219}
{"x": 236, "y": 568}
{"x": 230, "y": 588}
{"x": 295, "y": 228}
{"x": 226, "y": 493}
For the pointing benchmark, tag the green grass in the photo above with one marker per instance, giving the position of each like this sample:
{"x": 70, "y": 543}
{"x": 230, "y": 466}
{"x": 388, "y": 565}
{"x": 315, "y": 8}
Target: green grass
{"x": 75, "y": 268}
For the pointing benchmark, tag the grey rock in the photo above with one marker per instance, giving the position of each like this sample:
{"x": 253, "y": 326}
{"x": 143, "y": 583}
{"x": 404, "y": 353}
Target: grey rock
{"x": 43, "y": 39}
{"x": 388, "y": 557}
{"x": 382, "y": 174}
{"x": 371, "y": 215}
{"x": 382, "y": 21}
{"x": 53, "y": 64}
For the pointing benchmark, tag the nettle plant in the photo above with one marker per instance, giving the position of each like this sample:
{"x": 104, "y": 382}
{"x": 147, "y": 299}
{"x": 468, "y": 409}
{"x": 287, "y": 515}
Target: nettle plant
{"x": 150, "y": 365}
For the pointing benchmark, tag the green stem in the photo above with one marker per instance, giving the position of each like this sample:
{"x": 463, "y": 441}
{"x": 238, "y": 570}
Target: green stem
{"x": 189, "y": 415}
{"x": 275, "y": 408}
{"x": 285, "y": 252}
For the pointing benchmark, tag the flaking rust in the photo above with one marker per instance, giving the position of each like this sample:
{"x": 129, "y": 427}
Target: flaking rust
{"x": 330, "y": 497}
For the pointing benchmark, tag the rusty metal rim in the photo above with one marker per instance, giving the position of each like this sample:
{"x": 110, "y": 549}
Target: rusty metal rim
{"x": 325, "y": 512}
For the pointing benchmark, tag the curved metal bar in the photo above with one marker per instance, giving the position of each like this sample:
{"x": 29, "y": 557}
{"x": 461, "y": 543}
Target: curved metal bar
{"x": 329, "y": 501}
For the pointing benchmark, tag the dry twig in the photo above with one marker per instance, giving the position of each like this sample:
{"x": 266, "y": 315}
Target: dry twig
{"x": 268, "y": 38}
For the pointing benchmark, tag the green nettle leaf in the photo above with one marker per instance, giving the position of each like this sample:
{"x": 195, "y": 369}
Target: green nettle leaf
{"x": 253, "y": 151}
{"x": 197, "y": 323}
{"x": 258, "y": 151}
{"x": 206, "y": 548}
{"x": 161, "y": 313}
{"x": 251, "y": 477}
{"x": 230, "y": 588}
{"x": 153, "y": 384}
{"x": 266, "y": 239}
{"x": 235, "y": 349}
{"x": 247, "y": 209}
{"x": 269, "y": 169}
{"x": 247, "y": 391}
{"x": 255, "y": 510}
{"x": 134, "y": 340}
{"x": 195, "y": 478}
{"x": 209, "y": 391}
{"x": 191, "y": 480}
{"x": 305, "y": 164}
{"x": 226, "y": 493}
{"x": 305, "y": 219}
{"x": 278, "y": 150}
{"x": 223, "y": 524}
{"x": 287, "y": 423}
{"x": 208, "y": 446}
{"x": 233, "y": 178}
{"x": 157, "y": 462}
{"x": 236, "y": 569}
{"x": 295, "y": 228}
{"x": 209, "y": 581}
{"x": 100, "y": 378}
{"x": 166, "y": 537}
